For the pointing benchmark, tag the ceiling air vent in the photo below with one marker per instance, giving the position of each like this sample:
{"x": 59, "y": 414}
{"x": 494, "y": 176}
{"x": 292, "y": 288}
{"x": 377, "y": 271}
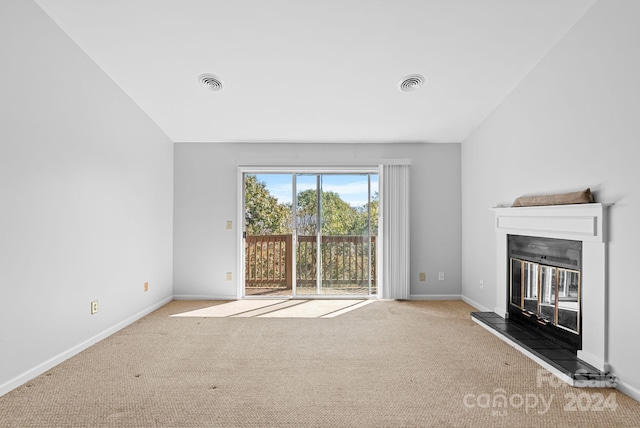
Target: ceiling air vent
{"x": 411, "y": 83}
{"x": 211, "y": 82}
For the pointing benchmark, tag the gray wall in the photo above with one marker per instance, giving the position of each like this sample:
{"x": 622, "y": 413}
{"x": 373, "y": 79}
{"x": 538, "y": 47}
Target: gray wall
{"x": 206, "y": 197}
{"x": 85, "y": 199}
{"x": 571, "y": 124}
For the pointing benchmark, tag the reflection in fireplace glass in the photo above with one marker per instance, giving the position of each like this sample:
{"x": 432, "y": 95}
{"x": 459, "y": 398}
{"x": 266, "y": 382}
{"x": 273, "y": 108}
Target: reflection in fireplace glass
{"x": 516, "y": 283}
{"x": 531, "y": 286}
{"x": 551, "y": 293}
{"x": 568, "y": 298}
{"x": 548, "y": 294}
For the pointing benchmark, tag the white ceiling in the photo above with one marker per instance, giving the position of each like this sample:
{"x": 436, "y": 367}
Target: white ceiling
{"x": 316, "y": 71}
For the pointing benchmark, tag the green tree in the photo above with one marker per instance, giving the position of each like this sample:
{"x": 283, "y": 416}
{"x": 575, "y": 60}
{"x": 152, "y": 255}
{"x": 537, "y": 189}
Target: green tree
{"x": 362, "y": 225}
{"x": 338, "y": 217}
{"x": 263, "y": 214}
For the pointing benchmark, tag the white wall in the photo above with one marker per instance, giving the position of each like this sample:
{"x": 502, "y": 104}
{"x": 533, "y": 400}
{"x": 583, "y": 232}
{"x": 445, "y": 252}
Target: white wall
{"x": 85, "y": 199}
{"x": 206, "y": 197}
{"x": 571, "y": 124}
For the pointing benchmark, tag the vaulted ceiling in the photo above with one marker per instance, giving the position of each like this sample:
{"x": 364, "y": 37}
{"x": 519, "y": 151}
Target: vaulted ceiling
{"x": 316, "y": 71}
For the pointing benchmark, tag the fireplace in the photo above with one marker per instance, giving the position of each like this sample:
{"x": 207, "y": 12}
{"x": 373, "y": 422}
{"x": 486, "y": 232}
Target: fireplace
{"x": 544, "y": 287}
{"x": 584, "y": 329}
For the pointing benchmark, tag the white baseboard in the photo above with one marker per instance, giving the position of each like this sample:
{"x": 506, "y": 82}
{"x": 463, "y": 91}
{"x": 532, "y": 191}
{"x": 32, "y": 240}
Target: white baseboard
{"x": 203, "y": 297}
{"x": 52, "y": 362}
{"x": 627, "y": 389}
{"x": 475, "y": 304}
{"x": 434, "y": 297}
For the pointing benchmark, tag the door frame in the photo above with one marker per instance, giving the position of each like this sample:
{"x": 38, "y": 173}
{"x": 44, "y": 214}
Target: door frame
{"x": 296, "y": 169}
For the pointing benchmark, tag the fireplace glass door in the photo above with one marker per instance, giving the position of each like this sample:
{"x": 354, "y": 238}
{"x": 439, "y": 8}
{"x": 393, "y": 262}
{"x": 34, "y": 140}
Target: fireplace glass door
{"x": 546, "y": 293}
{"x": 547, "y": 308}
{"x": 568, "y": 299}
{"x": 530, "y": 284}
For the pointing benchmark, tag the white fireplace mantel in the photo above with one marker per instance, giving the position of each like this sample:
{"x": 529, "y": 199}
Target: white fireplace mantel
{"x": 581, "y": 222}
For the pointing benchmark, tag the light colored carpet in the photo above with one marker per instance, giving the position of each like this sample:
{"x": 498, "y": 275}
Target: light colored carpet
{"x": 386, "y": 364}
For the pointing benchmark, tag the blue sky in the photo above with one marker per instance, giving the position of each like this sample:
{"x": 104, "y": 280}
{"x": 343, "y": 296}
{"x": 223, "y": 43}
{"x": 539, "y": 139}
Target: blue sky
{"x": 352, "y": 188}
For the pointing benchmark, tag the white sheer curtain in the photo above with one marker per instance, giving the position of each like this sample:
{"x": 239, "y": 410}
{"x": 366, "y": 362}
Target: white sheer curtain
{"x": 395, "y": 231}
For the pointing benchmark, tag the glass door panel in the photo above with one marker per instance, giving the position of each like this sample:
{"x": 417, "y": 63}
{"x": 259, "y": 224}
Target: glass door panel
{"x": 268, "y": 234}
{"x": 346, "y": 229}
{"x": 307, "y": 220}
{"x": 548, "y": 293}
{"x": 336, "y": 218}
{"x": 568, "y": 298}
{"x": 516, "y": 283}
{"x": 530, "y": 283}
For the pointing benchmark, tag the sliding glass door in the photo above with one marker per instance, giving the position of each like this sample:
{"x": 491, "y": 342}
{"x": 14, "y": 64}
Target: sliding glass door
{"x": 311, "y": 234}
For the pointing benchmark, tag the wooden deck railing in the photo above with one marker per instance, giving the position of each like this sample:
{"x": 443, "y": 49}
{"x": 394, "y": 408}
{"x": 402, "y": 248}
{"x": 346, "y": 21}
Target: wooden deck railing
{"x": 345, "y": 261}
{"x": 268, "y": 260}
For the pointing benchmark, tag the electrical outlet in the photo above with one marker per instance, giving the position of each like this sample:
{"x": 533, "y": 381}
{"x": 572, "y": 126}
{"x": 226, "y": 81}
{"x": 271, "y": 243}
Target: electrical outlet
{"x": 423, "y": 277}
{"x": 481, "y": 285}
{"x": 229, "y": 276}
{"x": 94, "y": 307}
{"x": 440, "y": 276}
{"x": 229, "y": 224}
{"x": 146, "y": 287}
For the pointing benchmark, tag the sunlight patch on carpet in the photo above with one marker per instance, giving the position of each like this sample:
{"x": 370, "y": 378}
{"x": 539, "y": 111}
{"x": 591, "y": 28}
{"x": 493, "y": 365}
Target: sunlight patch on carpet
{"x": 279, "y": 308}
